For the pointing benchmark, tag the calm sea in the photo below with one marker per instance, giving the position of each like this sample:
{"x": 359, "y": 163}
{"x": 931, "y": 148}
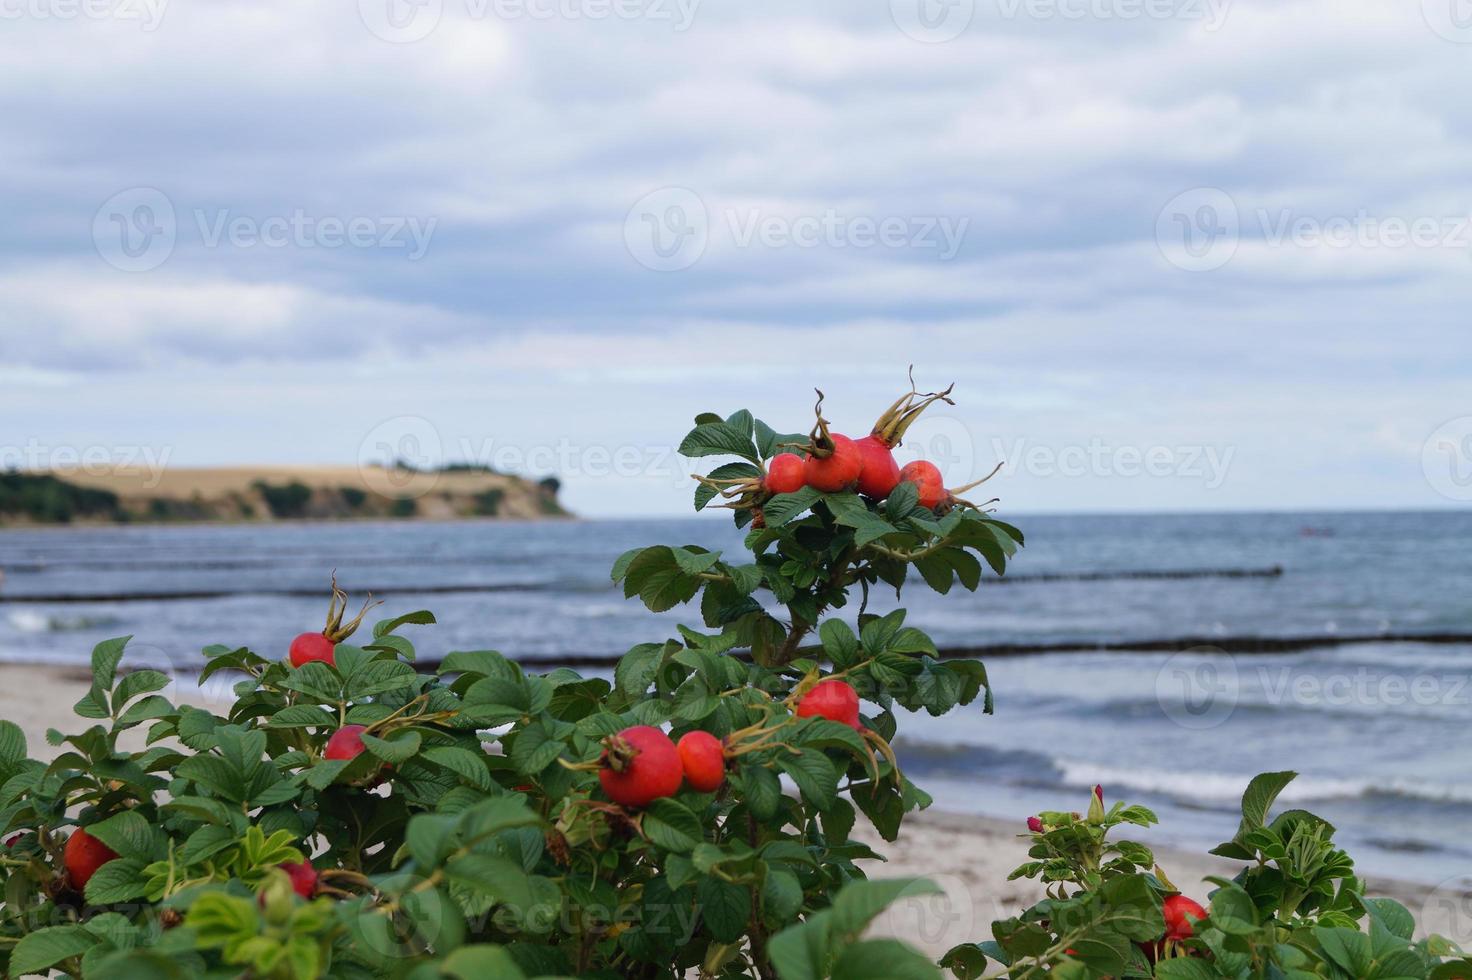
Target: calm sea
{"x": 1380, "y": 728}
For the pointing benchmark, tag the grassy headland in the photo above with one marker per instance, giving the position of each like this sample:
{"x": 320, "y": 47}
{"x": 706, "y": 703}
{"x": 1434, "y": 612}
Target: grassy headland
{"x": 270, "y": 493}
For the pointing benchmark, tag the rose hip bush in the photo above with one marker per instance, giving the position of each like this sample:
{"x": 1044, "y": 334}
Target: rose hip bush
{"x": 355, "y": 815}
{"x": 1295, "y": 912}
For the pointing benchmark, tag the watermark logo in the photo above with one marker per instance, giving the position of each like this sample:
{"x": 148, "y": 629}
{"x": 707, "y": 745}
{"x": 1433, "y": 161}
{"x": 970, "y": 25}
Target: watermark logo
{"x": 1450, "y": 19}
{"x": 947, "y": 442}
{"x": 401, "y": 457}
{"x": 932, "y": 21}
{"x": 1447, "y": 911}
{"x": 135, "y": 230}
{"x": 667, "y": 230}
{"x": 940, "y": 919}
{"x": 401, "y": 21}
{"x": 148, "y": 14}
{"x": 1198, "y": 230}
{"x": 1446, "y": 459}
{"x": 1198, "y": 689}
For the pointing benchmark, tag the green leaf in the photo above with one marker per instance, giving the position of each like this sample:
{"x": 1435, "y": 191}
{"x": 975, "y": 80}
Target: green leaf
{"x": 120, "y": 880}
{"x": 379, "y": 677}
{"x": 206, "y": 842}
{"x": 763, "y": 791}
{"x": 302, "y": 716}
{"x": 470, "y": 766}
{"x": 636, "y": 669}
{"x": 785, "y": 506}
{"x": 1181, "y": 968}
{"x": 815, "y": 776}
{"x": 781, "y": 896}
{"x": 136, "y": 683}
{"x": 883, "y": 959}
{"x": 481, "y": 961}
{"x": 860, "y": 901}
{"x": 1259, "y": 797}
{"x": 128, "y": 833}
{"x": 725, "y": 908}
{"x": 693, "y": 562}
{"x": 38, "y": 951}
{"x": 105, "y": 657}
{"x": 802, "y": 951}
{"x": 718, "y": 439}
{"x": 421, "y": 617}
{"x": 672, "y": 826}
{"x": 839, "y": 642}
{"x": 316, "y": 680}
{"x": 534, "y": 750}
{"x": 12, "y": 745}
{"x": 430, "y": 839}
{"x": 93, "y": 704}
{"x": 534, "y": 900}
{"x": 395, "y": 751}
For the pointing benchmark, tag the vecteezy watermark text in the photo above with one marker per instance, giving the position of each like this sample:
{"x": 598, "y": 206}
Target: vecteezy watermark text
{"x": 148, "y": 14}
{"x": 938, "y": 21}
{"x": 1201, "y": 229}
{"x": 1208, "y": 464}
{"x": 407, "y": 21}
{"x": 136, "y": 230}
{"x": 1202, "y": 687}
{"x": 669, "y": 229}
{"x": 96, "y": 460}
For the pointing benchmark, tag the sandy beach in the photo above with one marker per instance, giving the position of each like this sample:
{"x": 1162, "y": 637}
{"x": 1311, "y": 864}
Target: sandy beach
{"x": 968, "y": 856}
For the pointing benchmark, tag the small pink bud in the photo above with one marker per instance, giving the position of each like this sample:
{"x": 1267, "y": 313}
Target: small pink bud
{"x": 1035, "y": 824}
{"x": 1099, "y": 794}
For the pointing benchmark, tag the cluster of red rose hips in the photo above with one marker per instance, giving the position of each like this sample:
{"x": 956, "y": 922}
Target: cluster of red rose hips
{"x": 642, "y": 764}
{"x": 833, "y": 463}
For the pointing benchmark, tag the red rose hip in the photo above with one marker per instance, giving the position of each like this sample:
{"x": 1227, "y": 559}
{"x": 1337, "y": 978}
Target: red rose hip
{"x": 928, "y": 482}
{"x": 303, "y": 877}
{"x": 640, "y": 765}
{"x": 879, "y": 474}
{"x": 834, "y": 700}
{"x": 309, "y": 647}
{"x": 837, "y": 471}
{"x": 1180, "y": 914}
{"x": 703, "y": 758}
{"x": 83, "y": 855}
{"x": 346, "y": 742}
{"x": 785, "y": 474}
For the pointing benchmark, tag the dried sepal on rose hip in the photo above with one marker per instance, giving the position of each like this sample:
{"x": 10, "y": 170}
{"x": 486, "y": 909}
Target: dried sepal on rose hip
{"x": 308, "y": 647}
{"x": 879, "y": 474}
{"x": 833, "y": 461}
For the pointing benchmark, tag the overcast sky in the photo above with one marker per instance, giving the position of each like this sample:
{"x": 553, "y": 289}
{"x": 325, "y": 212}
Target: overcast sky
{"x": 1176, "y": 254}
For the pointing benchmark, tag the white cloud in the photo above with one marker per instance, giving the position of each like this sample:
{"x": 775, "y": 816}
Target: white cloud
{"x": 528, "y": 140}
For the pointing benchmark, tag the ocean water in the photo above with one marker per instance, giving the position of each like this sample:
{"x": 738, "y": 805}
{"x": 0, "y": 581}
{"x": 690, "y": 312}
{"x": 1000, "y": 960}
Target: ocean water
{"x": 1381, "y": 729}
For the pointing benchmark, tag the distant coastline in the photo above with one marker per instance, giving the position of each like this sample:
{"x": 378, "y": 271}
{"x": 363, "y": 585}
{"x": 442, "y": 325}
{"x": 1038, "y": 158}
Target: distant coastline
{"x": 270, "y": 494}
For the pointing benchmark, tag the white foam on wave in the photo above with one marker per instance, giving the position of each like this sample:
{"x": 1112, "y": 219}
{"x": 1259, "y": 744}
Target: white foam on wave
{"x": 1210, "y": 787}
{"x": 30, "y": 621}
{"x": 26, "y": 621}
